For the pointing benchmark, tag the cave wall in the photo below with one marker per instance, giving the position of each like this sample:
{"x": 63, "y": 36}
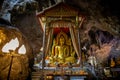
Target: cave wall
{"x": 28, "y": 24}
{"x": 96, "y": 15}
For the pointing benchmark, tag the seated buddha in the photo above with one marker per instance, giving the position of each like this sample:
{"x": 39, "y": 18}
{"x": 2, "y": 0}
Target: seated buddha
{"x": 61, "y": 52}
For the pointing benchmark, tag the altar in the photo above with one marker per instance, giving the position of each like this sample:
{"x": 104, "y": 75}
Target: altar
{"x": 62, "y": 73}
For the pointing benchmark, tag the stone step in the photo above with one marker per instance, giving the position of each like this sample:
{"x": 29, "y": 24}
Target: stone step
{"x": 36, "y": 75}
{"x": 35, "y": 78}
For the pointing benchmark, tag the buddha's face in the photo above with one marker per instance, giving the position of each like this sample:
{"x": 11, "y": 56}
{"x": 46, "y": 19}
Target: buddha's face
{"x": 62, "y": 40}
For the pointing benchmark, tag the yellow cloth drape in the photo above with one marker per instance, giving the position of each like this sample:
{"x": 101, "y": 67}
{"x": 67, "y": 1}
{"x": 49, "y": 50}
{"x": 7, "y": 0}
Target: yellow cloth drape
{"x": 49, "y": 42}
{"x": 74, "y": 40}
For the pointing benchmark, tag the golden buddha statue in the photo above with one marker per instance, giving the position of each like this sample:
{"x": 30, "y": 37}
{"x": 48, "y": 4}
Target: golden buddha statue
{"x": 62, "y": 51}
{"x": 112, "y": 63}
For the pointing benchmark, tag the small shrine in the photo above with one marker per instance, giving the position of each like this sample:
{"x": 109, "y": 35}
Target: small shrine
{"x": 61, "y": 42}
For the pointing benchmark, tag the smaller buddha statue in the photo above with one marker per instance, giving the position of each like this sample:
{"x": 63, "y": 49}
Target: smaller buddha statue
{"x": 112, "y": 63}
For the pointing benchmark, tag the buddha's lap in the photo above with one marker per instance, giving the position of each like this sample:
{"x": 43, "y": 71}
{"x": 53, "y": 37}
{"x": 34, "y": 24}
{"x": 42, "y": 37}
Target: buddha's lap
{"x": 66, "y": 60}
{"x": 70, "y": 59}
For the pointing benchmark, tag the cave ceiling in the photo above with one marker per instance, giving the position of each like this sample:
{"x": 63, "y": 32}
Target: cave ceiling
{"x": 103, "y": 10}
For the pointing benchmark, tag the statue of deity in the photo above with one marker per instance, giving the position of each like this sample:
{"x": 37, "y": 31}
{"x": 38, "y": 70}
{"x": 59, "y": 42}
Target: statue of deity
{"x": 61, "y": 51}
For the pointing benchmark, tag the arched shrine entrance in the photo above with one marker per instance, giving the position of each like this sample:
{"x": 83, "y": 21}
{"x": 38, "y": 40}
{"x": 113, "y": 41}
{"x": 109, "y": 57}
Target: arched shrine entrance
{"x": 61, "y": 40}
